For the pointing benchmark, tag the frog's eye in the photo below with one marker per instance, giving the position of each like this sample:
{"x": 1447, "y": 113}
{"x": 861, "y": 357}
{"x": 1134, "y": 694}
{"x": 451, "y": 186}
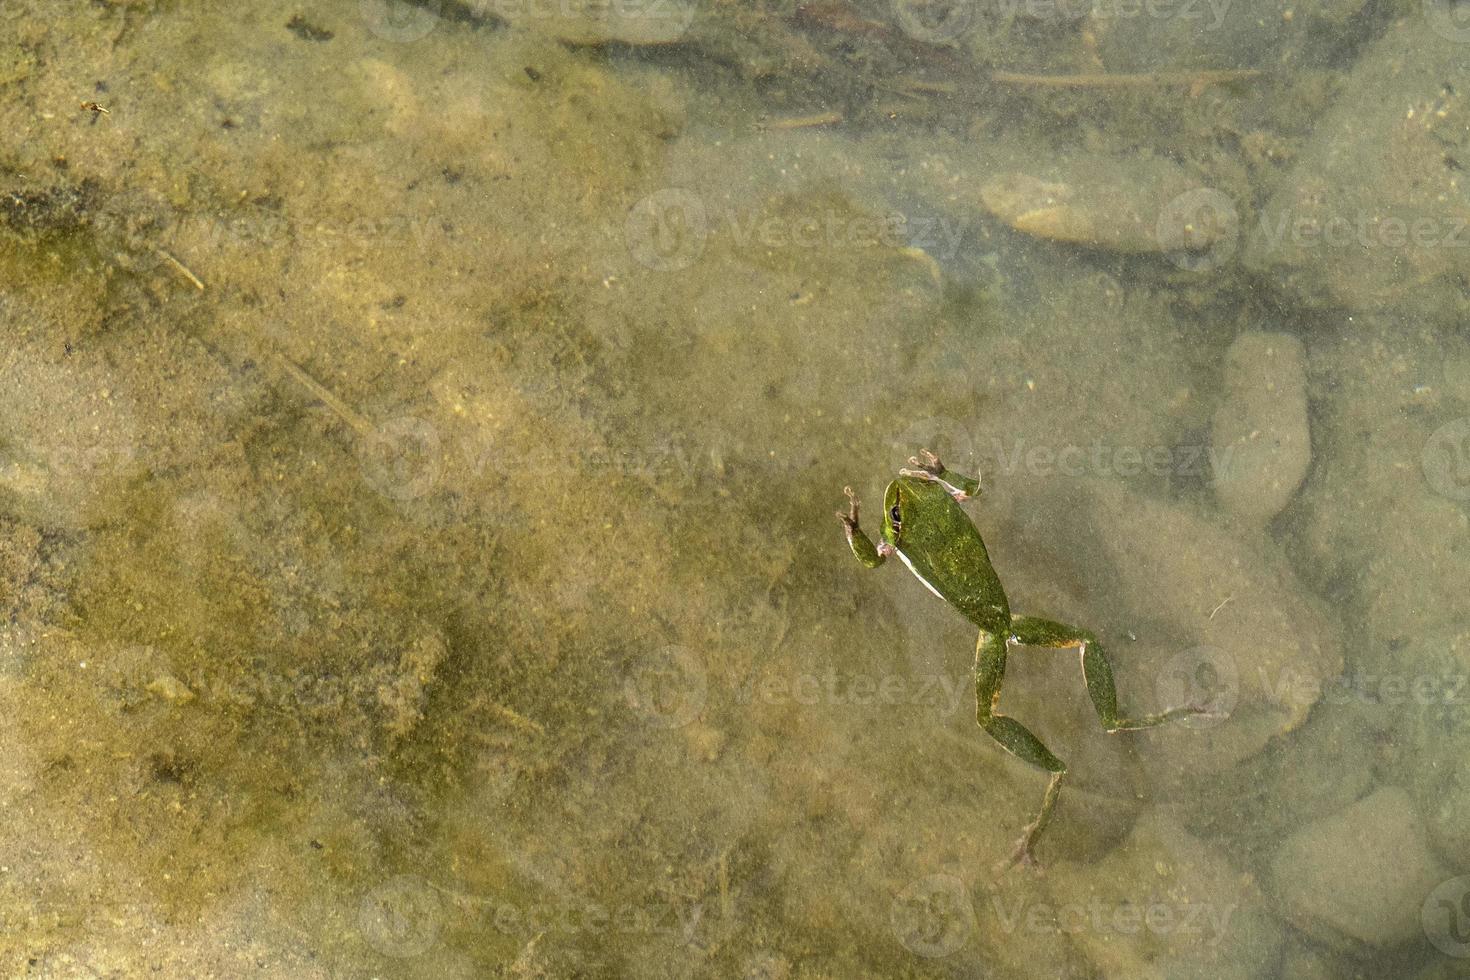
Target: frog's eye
{"x": 894, "y": 519}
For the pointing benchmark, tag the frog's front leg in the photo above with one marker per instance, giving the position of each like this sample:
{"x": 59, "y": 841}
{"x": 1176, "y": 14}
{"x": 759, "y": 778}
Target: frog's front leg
{"x": 961, "y": 488}
{"x": 861, "y": 545}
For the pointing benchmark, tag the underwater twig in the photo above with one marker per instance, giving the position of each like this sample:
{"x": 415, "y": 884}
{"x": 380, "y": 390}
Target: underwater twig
{"x": 727, "y": 907}
{"x": 805, "y": 122}
{"x": 526, "y": 964}
{"x": 924, "y": 86}
{"x": 343, "y": 411}
{"x": 515, "y": 718}
{"x": 181, "y": 267}
{"x": 1193, "y": 80}
{"x": 930, "y": 264}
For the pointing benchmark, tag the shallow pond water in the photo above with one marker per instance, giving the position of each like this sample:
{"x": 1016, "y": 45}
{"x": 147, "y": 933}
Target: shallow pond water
{"x": 421, "y": 428}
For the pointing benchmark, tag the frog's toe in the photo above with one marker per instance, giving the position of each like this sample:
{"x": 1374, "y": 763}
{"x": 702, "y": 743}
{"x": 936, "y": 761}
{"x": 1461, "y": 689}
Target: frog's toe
{"x": 1022, "y": 857}
{"x": 930, "y": 462}
{"x": 1206, "y": 711}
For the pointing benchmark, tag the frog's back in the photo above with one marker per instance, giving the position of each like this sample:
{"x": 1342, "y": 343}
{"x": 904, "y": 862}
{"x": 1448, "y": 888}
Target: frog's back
{"x": 946, "y": 553}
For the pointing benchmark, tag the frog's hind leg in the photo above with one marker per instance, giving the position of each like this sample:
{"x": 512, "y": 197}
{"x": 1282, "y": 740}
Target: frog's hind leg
{"x": 1014, "y": 737}
{"x": 1098, "y": 673}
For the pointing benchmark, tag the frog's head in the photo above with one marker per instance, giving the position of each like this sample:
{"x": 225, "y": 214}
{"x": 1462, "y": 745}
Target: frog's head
{"x": 910, "y": 503}
{"x": 898, "y": 509}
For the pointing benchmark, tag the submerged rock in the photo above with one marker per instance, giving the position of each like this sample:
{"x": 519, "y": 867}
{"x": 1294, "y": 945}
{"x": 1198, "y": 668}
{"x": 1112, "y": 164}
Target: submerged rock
{"x": 1219, "y": 619}
{"x": 1260, "y": 445}
{"x": 1374, "y": 215}
{"x": 1432, "y": 695}
{"x": 1162, "y": 905}
{"x": 1143, "y": 204}
{"x": 1214, "y": 33}
{"x": 1359, "y": 876}
{"x": 1384, "y": 511}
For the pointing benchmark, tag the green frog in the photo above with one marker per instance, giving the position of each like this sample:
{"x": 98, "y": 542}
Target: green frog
{"x": 924, "y": 525}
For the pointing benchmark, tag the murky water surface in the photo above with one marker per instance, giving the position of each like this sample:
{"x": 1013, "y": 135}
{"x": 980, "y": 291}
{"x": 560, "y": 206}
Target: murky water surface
{"x": 421, "y": 428}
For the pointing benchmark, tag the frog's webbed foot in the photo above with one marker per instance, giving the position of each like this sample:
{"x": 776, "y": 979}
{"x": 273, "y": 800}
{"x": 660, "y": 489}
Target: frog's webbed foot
{"x": 1024, "y": 853}
{"x": 1022, "y": 857}
{"x": 932, "y": 470}
{"x": 1207, "y": 711}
